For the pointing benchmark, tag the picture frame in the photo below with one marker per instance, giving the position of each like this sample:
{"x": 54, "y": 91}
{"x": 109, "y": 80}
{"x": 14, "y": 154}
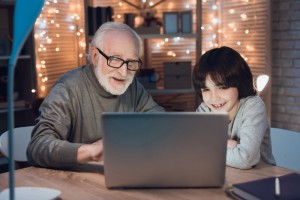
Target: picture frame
{"x": 186, "y": 22}
{"x": 171, "y": 22}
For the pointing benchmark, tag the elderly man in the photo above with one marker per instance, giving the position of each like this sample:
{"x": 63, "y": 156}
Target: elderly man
{"x": 68, "y": 129}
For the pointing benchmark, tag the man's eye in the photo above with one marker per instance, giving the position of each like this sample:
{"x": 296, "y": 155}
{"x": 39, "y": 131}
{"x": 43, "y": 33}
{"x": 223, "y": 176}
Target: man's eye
{"x": 115, "y": 59}
{"x": 204, "y": 90}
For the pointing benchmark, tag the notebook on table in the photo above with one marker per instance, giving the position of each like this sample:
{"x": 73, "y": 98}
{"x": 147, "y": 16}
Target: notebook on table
{"x": 171, "y": 149}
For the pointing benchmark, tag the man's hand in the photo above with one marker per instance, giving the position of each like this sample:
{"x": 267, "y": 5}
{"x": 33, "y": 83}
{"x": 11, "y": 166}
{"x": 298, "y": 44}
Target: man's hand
{"x": 90, "y": 152}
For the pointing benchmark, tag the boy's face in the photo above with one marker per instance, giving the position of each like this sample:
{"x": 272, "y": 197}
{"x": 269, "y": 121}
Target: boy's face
{"x": 220, "y": 98}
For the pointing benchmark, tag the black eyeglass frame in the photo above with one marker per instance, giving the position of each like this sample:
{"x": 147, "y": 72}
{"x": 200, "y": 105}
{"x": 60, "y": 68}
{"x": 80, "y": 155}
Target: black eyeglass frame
{"x": 123, "y": 61}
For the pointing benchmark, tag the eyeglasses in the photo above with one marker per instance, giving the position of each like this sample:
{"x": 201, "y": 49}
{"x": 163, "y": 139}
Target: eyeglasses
{"x": 115, "y": 62}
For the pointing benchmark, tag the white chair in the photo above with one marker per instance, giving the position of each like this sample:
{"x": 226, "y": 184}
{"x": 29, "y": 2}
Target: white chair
{"x": 21, "y": 140}
{"x": 286, "y": 148}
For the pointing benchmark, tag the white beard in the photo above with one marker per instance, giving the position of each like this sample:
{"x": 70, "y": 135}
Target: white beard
{"x": 104, "y": 81}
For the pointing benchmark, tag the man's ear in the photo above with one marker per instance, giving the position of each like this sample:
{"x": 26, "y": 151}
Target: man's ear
{"x": 94, "y": 56}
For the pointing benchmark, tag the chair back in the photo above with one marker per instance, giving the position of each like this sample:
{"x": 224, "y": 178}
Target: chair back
{"x": 286, "y": 148}
{"x": 21, "y": 137}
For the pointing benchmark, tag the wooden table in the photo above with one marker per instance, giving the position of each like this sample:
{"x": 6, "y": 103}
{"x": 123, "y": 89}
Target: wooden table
{"x": 87, "y": 182}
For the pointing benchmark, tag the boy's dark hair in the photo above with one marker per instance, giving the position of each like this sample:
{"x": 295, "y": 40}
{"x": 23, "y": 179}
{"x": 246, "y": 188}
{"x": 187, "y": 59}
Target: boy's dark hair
{"x": 225, "y": 67}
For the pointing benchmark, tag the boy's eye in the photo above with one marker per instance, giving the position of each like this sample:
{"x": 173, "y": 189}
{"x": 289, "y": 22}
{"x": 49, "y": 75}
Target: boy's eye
{"x": 204, "y": 89}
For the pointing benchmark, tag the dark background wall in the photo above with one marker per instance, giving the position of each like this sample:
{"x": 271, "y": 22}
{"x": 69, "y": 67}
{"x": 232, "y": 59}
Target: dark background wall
{"x": 285, "y": 64}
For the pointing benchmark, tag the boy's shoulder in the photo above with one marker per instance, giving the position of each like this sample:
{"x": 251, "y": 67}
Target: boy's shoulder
{"x": 252, "y": 103}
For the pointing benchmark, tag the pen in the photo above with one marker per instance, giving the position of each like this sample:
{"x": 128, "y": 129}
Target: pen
{"x": 277, "y": 187}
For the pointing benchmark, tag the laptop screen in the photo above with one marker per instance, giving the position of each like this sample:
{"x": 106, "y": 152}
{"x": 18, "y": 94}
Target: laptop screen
{"x": 171, "y": 149}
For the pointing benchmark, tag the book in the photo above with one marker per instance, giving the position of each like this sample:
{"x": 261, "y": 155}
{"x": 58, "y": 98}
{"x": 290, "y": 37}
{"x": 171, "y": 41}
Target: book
{"x": 289, "y": 188}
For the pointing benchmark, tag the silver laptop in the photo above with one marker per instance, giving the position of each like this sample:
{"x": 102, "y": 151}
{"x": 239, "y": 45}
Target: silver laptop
{"x": 172, "y": 149}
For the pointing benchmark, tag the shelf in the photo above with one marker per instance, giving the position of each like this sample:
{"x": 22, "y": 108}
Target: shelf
{"x": 154, "y": 36}
{"x": 7, "y": 2}
{"x": 19, "y": 57}
{"x": 149, "y": 36}
{"x": 18, "y": 106}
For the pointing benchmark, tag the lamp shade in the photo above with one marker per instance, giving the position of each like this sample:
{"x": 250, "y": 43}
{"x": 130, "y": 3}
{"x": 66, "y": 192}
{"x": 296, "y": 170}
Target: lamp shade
{"x": 261, "y": 82}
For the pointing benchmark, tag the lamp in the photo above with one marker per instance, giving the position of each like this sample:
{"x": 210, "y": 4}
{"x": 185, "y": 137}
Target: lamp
{"x": 25, "y": 14}
{"x": 261, "y": 82}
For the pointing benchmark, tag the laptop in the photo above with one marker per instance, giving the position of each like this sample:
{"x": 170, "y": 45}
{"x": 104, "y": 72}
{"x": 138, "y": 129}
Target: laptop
{"x": 164, "y": 150}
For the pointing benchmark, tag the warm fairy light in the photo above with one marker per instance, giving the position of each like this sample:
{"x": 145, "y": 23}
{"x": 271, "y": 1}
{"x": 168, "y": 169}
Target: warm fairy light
{"x": 120, "y": 3}
{"x": 225, "y": 25}
{"x": 177, "y": 39}
{"x": 82, "y": 44}
{"x": 72, "y": 27}
{"x": 33, "y": 91}
{"x": 46, "y": 33}
{"x": 214, "y": 21}
{"x": 214, "y": 7}
{"x": 187, "y": 6}
{"x": 170, "y": 53}
{"x": 243, "y": 16}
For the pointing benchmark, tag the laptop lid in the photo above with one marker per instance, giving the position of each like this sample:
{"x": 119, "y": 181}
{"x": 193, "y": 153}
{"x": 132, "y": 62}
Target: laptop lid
{"x": 171, "y": 149}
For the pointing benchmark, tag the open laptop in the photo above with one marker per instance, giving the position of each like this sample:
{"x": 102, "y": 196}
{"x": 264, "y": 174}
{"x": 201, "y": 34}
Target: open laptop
{"x": 171, "y": 149}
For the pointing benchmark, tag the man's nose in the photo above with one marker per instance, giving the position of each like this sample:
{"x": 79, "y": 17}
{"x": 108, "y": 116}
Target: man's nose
{"x": 123, "y": 69}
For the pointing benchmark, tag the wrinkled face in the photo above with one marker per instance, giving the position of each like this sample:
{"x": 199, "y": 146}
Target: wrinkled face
{"x": 220, "y": 98}
{"x": 118, "y": 44}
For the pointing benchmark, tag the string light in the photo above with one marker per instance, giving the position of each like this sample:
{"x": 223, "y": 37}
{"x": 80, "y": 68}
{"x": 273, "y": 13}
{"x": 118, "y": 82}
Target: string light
{"x": 47, "y": 28}
{"x": 216, "y": 33}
